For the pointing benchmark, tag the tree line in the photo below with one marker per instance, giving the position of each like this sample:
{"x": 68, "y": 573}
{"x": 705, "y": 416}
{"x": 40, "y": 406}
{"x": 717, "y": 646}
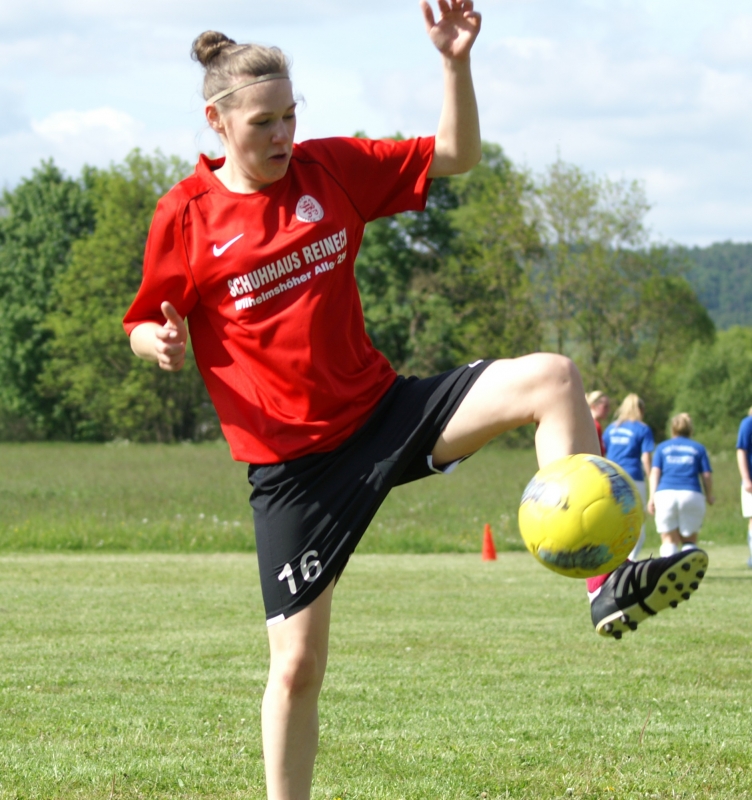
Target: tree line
{"x": 500, "y": 264}
{"x": 722, "y": 276}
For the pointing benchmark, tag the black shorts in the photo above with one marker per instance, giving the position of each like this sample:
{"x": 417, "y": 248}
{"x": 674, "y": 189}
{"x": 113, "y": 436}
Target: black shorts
{"x": 311, "y": 512}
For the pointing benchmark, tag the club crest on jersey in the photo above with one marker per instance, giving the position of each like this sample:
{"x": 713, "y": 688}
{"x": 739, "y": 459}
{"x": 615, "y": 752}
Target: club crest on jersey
{"x": 309, "y": 209}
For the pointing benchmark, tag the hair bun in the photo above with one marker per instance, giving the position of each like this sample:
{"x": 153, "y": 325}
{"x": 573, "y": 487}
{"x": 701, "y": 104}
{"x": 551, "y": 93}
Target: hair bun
{"x": 208, "y": 45}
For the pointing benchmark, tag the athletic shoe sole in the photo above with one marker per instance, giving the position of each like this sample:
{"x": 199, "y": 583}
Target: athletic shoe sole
{"x": 675, "y": 585}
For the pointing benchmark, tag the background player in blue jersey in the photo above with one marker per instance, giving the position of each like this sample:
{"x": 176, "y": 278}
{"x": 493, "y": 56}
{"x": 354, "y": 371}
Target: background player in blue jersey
{"x": 681, "y": 481}
{"x": 744, "y": 461}
{"x": 630, "y": 443}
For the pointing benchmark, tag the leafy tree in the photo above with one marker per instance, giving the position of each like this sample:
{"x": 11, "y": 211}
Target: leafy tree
{"x": 623, "y": 311}
{"x": 397, "y": 261}
{"x": 585, "y": 223}
{"x": 656, "y": 321}
{"x": 448, "y": 285}
{"x": 103, "y": 391}
{"x": 715, "y": 386}
{"x": 722, "y": 276}
{"x": 484, "y": 280}
{"x": 39, "y": 221}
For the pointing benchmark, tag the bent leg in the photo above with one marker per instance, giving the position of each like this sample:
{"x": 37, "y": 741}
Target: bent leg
{"x": 289, "y": 713}
{"x": 542, "y": 388}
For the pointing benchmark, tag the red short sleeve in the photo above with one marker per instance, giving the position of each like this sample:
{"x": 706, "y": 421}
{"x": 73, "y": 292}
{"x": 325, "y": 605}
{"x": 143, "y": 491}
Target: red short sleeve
{"x": 380, "y": 176}
{"x": 166, "y": 273}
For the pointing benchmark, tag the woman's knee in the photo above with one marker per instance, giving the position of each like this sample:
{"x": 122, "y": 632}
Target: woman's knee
{"x": 555, "y": 373}
{"x": 298, "y": 670}
{"x": 560, "y": 368}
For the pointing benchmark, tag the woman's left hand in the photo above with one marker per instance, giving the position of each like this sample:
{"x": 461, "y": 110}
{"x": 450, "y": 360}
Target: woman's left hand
{"x": 457, "y": 27}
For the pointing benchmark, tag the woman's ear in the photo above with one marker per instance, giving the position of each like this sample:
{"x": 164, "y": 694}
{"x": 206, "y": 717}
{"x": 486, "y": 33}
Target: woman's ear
{"x": 214, "y": 118}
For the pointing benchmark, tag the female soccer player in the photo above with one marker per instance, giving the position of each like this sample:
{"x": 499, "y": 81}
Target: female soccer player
{"x": 630, "y": 444}
{"x": 681, "y": 480}
{"x": 744, "y": 462}
{"x": 600, "y": 408}
{"x": 257, "y": 250}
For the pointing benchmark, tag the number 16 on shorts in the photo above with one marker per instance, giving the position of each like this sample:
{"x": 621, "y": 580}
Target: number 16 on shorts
{"x": 310, "y": 568}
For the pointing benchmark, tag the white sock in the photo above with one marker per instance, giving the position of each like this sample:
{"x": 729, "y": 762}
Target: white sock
{"x": 669, "y": 549}
{"x": 688, "y": 546}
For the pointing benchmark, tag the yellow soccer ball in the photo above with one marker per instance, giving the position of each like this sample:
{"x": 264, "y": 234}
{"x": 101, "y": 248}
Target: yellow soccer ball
{"x": 581, "y": 516}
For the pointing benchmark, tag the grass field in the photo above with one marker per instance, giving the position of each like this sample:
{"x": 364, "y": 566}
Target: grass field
{"x": 140, "y": 676}
{"x": 194, "y": 498}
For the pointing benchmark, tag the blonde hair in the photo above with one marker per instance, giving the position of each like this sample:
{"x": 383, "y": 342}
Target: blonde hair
{"x": 226, "y": 62}
{"x": 681, "y": 425}
{"x": 632, "y": 409}
{"x": 593, "y": 397}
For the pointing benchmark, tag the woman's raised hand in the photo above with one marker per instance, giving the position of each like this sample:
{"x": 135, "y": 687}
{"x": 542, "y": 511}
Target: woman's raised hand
{"x": 456, "y": 29}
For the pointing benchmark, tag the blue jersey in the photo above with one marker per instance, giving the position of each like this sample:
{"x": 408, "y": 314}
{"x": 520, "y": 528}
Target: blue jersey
{"x": 625, "y": 443}
{"x": 744, "y": 440}
{"x": 681, "y": 461}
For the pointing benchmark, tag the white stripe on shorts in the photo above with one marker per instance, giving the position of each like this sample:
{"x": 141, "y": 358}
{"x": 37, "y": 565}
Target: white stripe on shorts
{"x": 447, "y": 469}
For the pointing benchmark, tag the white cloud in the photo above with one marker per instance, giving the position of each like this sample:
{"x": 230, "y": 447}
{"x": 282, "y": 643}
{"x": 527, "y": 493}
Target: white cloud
{"x": 73, "y": 138}
{"x": 50, "y": 15}
{"x": 108, "y": 123}
{"x": 731, "y": 44}
{"x": 12, "y": 119}
{"x": 680, "y": 123}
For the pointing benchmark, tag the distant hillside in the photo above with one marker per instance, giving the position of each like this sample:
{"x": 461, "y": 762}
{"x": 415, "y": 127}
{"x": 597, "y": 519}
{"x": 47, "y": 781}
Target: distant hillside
{"x": 722, "y": 277}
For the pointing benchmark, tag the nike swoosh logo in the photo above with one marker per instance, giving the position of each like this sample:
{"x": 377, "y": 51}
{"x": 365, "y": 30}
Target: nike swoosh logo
{"x": 219, "y": 250}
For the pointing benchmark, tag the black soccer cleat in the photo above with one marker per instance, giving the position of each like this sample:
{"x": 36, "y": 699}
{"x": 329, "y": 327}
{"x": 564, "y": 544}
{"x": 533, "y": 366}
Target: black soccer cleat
{"x": 637, "y": 590}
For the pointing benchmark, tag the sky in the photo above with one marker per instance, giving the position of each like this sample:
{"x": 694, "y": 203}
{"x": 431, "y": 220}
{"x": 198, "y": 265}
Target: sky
{"x": 658, "y": 91}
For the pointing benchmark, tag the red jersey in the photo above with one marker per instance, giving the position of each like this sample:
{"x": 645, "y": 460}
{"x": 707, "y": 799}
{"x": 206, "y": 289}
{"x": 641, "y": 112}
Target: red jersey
{"x": 267, "y": 283}
{"x": 599, "y": 431}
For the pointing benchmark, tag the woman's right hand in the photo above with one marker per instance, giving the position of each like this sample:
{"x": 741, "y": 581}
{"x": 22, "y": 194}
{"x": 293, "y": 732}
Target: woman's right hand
{"x": 651, "y": 507}
{"x": 172, "y": 338}
{"x": 165, "y": 344}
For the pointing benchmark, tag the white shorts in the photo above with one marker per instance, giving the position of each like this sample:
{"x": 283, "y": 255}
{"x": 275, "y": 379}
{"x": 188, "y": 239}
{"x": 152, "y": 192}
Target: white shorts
{"x": 679, "y": 508}
{"x": 746, "y": 504}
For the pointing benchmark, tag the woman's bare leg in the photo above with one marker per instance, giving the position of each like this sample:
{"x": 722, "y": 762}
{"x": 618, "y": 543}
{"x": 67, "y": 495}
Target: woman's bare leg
{"x": 543, "y": 388}
{"x": 289, "y": 713}
{"x": 690, "y": 540}
{"x": 671, "y": 542}
{"x": 547, "y": 389}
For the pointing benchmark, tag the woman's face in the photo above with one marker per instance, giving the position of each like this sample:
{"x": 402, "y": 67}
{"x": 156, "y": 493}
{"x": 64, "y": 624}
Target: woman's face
{"x": 602, "y": 409}
{"x": 258, "y": 132}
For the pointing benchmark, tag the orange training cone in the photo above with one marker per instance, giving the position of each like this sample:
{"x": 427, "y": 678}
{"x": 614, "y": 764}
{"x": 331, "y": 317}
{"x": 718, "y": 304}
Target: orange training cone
{"x": 489, "y": 551}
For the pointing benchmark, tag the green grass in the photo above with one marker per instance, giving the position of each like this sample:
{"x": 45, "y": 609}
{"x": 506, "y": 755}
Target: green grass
{"x": 194, "y": 498}
{"x": 181, "y": 498}
{"x": 140, "y": 676}
{"x": 133, "y": 674}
